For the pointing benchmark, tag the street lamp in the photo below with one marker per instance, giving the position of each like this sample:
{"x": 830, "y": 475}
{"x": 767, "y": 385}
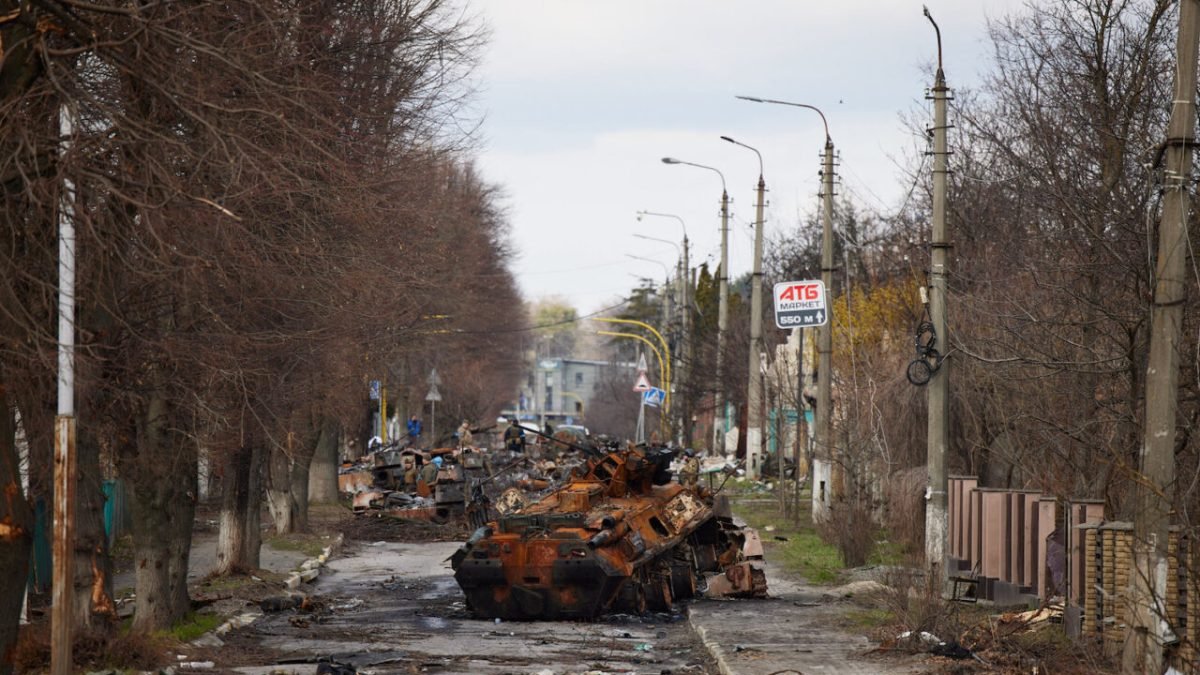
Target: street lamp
{"x": 824, "y": 411}
{"x": 718, "y": 440}
{"x": 753, "y": 388}
{"x": 683, "y": 353}
{"x": 668, "y": 304}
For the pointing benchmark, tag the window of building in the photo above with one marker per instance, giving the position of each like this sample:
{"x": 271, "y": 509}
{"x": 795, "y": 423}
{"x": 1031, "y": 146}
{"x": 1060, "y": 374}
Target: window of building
{"x": 549, "y": 398}
{"x": 578, "y": 379}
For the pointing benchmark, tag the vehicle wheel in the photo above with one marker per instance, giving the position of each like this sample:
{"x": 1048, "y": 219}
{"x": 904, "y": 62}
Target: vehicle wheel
{"x": 658, "y": 589}
{"x": 683, "y": 582}
{"x": 632, "y": 597}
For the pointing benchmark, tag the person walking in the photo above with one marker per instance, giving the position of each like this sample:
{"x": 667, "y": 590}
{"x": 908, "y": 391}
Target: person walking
{"x": 414, "y": 429}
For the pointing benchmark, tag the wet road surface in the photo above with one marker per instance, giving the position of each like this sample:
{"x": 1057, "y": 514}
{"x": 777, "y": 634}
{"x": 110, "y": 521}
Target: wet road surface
{"x": 395, "y": 608}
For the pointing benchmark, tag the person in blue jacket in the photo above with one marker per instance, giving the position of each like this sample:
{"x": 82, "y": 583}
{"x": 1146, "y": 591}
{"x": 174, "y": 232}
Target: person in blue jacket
{"x": 414, "y": 428}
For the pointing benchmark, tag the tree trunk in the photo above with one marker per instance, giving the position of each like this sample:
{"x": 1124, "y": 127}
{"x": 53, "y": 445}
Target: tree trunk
{"x": 162, "y": 473}
{"x": 279, "y": 490}
{"x": 300, "y": 470}
{"x": 239, "y": 539}
{"x": 322, "y": 475}
{"x": 287, "y": 489}
{"x": 16, "y": 536}
{"x": 253, "y": 527}
{"x": 94, "y": 607}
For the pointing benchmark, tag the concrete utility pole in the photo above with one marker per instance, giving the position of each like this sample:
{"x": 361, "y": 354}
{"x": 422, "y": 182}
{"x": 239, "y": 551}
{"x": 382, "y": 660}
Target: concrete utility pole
{"x": 718, "y": 440}
{"x": 719, "y": 421}
{"x": 939, "y": 383}
{"x": 824, "y": 411}
{"x": 1156, "y": 487}
{"x": 754, "y": 388}
{"x": 683, "y": 348}
{"x": 63, "y": 573}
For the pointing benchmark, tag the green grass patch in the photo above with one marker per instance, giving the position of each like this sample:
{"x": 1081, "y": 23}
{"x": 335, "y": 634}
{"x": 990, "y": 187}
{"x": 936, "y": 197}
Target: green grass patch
{"x": 888, "y": 553}
{"x": 804, "y": 552}
{"x": 870, "y": 618}
{"x": 816, "y": 561}
{"x": 311, "y": 545}
{"x": 192, "y": 626}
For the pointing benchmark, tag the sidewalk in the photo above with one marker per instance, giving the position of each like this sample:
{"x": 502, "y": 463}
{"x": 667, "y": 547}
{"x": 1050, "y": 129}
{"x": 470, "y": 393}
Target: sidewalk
{"x": 797, "y": 629}
{"x": 203, "y": 560}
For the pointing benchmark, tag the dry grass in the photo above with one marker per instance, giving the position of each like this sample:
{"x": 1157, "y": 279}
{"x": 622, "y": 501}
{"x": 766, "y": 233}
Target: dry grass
{"x": 93, "y": 651}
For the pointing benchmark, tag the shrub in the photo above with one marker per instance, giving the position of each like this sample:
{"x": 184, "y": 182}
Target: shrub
{"x": 849, "y": 528}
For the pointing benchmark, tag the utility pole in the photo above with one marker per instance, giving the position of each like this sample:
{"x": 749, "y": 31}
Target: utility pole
{"x": 754, "y": 388}
{"x": 801, "y": 422}
{"x": 718, "y": 433}
{"x": 63, "y": 572}
{"x": 824, "y": 412}
{"x": 719, "y": 422}
{"x": 1156, "y": 484}
{"x": 939, "y": 400}
{"x": 685, "y": 361}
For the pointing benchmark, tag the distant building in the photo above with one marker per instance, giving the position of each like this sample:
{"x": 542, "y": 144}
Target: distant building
{"x": 561, "y": 390}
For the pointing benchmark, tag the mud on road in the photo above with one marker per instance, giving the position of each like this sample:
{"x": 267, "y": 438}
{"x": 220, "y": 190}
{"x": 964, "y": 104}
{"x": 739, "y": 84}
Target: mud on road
{"x": 394, "y": 607}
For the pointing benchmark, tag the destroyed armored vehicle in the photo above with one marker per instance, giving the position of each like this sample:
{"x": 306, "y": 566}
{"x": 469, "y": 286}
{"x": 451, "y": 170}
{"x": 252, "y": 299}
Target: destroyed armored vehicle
{"x": 619, "y": 536}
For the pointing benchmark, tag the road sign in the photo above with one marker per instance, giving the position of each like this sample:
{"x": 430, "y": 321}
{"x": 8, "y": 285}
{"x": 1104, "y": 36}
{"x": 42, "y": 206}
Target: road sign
{"x": 643, "y": 383}
{"x": 433, "y": 394}
{"x": 642, "y": 363}
{"x": 434, "y": 379}
{"x": 800, "y": 304}
{"x": 654, "y": 397}
{"x": 374, "y": 384}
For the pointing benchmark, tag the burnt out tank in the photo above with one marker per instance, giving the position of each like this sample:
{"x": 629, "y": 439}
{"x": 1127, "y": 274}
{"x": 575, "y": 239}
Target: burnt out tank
{"x": 619, "y": 536}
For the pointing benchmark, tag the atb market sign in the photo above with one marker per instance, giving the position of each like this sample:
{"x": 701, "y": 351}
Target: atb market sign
{"x": 800, "y": 304}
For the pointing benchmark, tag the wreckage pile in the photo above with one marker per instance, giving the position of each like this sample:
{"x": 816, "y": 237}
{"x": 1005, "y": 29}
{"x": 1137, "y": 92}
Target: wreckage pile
{"x": 388, "y": 480}
{"x": 618, "y": 536}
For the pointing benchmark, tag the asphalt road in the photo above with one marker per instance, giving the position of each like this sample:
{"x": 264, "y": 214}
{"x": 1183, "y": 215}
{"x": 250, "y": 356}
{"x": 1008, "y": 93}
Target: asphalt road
{"x": 395, "y": 608}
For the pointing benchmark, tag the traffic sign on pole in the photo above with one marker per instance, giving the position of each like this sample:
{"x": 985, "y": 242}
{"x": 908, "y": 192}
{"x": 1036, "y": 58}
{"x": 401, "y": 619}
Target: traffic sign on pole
{"x": 642, "y": 367}
{"x": 374, "y": 389}
{"x": 800, "y": 304}
{"x": 654, "y": 397}
{"x": 643, "y": 383}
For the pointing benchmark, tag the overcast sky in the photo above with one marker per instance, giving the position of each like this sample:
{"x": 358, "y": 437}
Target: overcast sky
{"x": 582, "y": 98}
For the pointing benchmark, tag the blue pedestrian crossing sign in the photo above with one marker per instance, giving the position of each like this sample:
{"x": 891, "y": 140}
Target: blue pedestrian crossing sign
{"x": 654, "y": 397}
{"x": 374, "y": 390}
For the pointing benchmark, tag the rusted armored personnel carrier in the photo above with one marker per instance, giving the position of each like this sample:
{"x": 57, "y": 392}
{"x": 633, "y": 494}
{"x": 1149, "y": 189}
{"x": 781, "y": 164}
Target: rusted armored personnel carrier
{"x": 621, "y": 537}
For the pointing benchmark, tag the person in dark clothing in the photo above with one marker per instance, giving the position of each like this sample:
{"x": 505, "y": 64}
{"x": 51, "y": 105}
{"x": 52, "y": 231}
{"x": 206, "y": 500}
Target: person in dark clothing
{"x": 514, "y": 437}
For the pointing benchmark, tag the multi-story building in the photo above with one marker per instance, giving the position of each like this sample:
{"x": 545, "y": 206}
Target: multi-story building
{"x": 560, "y": 390}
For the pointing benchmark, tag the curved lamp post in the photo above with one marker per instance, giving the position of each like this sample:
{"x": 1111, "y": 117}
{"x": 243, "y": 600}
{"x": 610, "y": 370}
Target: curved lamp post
{"x": 754, "y": 388}
{"x": 824, "y": 411}
{"x": 718, "y": 439}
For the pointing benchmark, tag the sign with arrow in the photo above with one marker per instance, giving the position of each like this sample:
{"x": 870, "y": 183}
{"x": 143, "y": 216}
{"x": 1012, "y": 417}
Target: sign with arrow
{"x": 654, "y": 397}
{"x": 800, "y": 304}
{"x": 643, "y": 383}
{"x": 374, "y": 389}
{"x": 642, "y": 363}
